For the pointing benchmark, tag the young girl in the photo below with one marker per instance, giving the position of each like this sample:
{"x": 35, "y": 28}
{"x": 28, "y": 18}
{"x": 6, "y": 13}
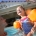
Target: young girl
{"x": 27, "y": 25}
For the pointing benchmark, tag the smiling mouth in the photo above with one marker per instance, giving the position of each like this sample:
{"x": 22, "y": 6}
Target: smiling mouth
{"x": 20, "y": 12}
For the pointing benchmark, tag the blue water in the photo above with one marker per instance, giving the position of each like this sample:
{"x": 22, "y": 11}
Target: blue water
{"x": 10, "y": 31}
{"x": 14, "y": 32}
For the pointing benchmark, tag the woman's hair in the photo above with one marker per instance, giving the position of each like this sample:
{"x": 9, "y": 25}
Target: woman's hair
{"x": 22, "y": 8}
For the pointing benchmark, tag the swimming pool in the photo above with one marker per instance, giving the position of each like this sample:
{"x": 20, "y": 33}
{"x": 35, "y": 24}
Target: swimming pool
{"x": 14, "y": 32}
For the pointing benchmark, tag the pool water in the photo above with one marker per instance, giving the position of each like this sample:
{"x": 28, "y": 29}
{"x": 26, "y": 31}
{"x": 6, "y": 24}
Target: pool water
{"x": 14, "y": 32}
{"x": 10, "y": 31}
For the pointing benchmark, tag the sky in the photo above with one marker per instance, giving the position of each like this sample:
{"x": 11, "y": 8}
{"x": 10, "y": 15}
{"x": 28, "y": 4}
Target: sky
{"x": 13, "y": 0}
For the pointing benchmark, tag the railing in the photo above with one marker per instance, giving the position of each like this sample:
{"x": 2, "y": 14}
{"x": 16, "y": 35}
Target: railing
{"x": 7, "y": 4}
{"x": 17, "y": 1}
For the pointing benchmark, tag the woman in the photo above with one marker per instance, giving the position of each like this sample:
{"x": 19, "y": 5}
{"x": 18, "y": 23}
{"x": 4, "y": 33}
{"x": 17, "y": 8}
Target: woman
{"x": 2, "y": 26}
{"x": 26, "y": 23}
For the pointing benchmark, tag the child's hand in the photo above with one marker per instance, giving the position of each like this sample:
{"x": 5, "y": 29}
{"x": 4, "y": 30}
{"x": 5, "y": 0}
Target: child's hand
{"x": 32, "y": 31}
{"x": 29, "y": 34}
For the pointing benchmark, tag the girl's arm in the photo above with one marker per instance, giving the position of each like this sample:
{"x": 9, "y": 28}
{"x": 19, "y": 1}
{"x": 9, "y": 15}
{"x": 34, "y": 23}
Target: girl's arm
{"x": 32, "y": 30}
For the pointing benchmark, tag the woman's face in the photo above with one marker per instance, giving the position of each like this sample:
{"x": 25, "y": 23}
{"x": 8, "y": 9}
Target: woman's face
{"x": 3, "y": 21}
{"x": 20, "y": 11}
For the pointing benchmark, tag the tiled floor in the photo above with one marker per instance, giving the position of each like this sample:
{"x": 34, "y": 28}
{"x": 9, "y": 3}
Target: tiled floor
{"x": 14, "y": 32}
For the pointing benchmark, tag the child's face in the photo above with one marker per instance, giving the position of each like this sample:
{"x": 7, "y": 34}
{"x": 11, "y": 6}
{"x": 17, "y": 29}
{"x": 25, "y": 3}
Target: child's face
{"x": 20, "y": 11}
